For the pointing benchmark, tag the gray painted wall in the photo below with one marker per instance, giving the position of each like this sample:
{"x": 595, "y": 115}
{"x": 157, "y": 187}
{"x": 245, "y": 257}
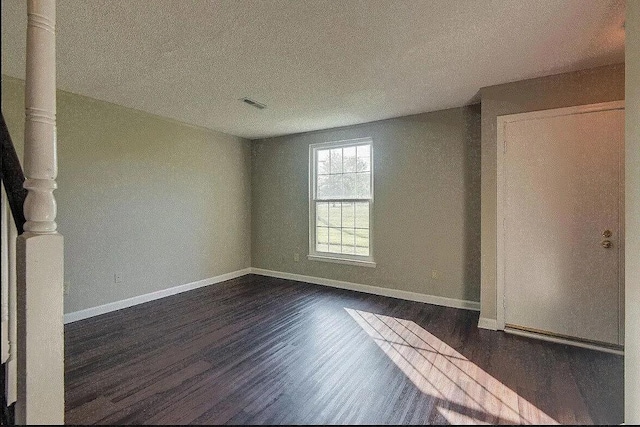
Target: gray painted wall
{"x": 163, "y": 203}
{"x": 562, "y": 90}
{"x": 427, "y": 204}
{"x": 632, "y": 218}
{"x": 131, "y": 183}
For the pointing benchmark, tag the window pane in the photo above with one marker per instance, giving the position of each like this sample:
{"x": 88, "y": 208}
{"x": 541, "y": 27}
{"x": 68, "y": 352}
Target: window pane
{"x": 329, "y": 187}
{"x": 348, "y": 214}
{"x": 364, "y": 184}
{"x": 323, "y": 162}
{"x": 362, "y": 242}
{"x": 335, "y": 240}
{"x": 362, "y": 215}
{"x": 349, "y": 157}
{"x": 322, "y": 247}
{"x": 348, "y": 241}
{"x": 322, "y": 235}
{"x": 322, "y": 214}
{"x": 322, "y": 186}
{"x": 349, "y": 186}
{"x": 336, "y": 160}
{"x": 335, "y": 214}
{"x": 335, "y": 236}
{"x": 364, "y": 158}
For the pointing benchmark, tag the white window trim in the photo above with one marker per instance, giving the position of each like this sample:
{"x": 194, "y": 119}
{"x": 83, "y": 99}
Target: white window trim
{"x": 362, "y": 263}
{"x": 349, "y": 259}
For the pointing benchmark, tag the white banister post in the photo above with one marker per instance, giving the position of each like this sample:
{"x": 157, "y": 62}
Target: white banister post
{"x": 40, "y": 393}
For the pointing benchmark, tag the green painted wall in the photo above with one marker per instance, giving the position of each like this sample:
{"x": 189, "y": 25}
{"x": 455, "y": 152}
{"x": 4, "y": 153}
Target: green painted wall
{"x": 160, "y": 202}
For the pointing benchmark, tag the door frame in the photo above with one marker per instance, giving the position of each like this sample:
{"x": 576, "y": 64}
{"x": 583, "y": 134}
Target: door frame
{"x": 502, "y": 121}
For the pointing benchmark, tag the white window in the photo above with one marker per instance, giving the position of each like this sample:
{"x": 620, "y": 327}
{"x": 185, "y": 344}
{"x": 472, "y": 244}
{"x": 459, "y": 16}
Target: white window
{"x": 341, "y": 201}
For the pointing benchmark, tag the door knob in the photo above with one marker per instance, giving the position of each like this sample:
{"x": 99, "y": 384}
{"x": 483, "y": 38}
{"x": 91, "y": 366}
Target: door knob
{"x": 606, "y": 234}
{"x": 606, "y": 244}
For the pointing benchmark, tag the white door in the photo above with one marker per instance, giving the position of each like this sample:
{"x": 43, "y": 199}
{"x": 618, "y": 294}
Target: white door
{"x": 562, "y": 226}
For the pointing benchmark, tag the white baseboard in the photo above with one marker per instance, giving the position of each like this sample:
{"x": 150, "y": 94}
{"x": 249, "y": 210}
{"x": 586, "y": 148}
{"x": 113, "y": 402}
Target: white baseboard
{"x": 394, "y": 293}
{"x": 486, "y": 323}
{"x": 117, "y": 305}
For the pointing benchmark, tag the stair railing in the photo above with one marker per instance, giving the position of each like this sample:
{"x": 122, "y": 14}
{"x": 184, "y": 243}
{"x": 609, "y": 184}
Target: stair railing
{"x": 11, "y": 202}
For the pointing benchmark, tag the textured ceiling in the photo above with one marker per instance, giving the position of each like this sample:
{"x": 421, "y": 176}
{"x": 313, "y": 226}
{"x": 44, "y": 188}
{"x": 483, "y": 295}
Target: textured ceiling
{"x": 315, "y": 64}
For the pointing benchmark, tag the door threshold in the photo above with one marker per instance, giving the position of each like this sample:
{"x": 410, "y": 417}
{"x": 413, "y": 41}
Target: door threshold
{"x": 607, "y": 348}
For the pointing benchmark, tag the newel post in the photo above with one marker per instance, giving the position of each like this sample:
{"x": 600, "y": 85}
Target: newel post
{"x": 40, "y": 392}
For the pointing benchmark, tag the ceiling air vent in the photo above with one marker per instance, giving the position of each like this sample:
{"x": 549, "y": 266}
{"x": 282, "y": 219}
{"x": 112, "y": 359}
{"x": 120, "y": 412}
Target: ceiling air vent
{"x": 254, "y": 103}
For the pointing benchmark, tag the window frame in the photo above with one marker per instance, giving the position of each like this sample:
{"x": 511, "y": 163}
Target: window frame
{"x": 350, "y": 259}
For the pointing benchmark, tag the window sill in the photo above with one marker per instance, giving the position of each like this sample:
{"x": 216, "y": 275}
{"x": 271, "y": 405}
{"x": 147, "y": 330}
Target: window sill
{"x": 336, "y": 260}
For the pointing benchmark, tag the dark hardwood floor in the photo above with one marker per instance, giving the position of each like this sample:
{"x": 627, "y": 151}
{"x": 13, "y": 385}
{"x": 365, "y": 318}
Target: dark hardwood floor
{"x": 259, "y": 350}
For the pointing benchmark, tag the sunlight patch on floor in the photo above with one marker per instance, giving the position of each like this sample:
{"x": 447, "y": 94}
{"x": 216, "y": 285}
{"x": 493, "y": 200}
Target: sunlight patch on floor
{"x": 465, "y": 393}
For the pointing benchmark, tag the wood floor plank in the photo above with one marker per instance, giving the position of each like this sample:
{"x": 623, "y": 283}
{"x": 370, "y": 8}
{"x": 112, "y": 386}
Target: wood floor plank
{"x": 260, "y": 350}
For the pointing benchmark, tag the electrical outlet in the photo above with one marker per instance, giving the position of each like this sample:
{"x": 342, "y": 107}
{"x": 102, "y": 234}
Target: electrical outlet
{"x": 117, "y": 278}
{"x": 435, "y": 274}
{"x": 296, "y": 257}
